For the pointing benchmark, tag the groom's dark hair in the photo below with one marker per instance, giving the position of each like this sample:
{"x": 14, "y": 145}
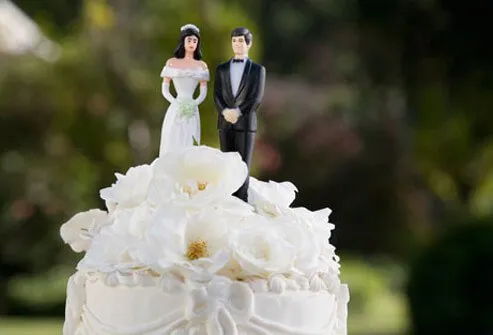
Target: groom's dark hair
{"x": 242, "y": 31}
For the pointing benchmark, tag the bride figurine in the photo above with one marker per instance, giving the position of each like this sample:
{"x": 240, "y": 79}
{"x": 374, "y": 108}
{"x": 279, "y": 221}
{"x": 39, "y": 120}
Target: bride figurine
{"x": 181, "y": 125}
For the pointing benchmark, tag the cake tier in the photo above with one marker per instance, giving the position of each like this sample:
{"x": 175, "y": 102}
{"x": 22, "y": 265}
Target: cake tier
{"x": 152, "y": 306}
{"x": 175, "y": 253}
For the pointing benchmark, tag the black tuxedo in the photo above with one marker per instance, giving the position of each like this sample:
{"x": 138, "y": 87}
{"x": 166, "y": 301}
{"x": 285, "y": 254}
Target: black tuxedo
{"x": 240, "y": 136}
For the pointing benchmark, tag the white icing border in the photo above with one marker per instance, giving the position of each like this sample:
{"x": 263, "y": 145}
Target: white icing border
{"x": 228, "y": 305}
{"x": 277, "y": 283}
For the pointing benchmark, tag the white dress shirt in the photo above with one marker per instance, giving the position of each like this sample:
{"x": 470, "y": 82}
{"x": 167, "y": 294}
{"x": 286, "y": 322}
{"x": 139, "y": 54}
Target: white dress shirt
{"x": 236, "y": 72}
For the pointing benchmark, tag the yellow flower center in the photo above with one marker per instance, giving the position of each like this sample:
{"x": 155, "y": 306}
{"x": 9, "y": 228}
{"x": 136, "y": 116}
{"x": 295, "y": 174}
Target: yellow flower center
{"x": 190, "y": 191}
{"x": 197, "y": 249}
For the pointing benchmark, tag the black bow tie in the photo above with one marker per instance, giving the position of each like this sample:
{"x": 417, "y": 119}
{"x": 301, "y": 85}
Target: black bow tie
{"x": 238, "y": 60}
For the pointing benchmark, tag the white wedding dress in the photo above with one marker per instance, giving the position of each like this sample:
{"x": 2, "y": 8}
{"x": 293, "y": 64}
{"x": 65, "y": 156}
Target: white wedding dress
{"x": 179, "y": 129}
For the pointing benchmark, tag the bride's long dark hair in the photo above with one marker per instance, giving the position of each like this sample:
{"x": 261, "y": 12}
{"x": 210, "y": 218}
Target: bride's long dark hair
{"x": 180, "y": 49}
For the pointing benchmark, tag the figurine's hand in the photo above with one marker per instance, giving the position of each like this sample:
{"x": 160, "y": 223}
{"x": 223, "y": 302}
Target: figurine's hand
{"x": 227, "y": 114}
{"x": 231, "y": 115}
{"x": 237, "y": 114}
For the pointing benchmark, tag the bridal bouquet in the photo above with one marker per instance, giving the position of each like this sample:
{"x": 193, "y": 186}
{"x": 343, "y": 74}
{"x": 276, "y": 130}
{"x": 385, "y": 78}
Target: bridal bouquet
{"x": 187, "y": 108}
{"x": 178, "y": 214}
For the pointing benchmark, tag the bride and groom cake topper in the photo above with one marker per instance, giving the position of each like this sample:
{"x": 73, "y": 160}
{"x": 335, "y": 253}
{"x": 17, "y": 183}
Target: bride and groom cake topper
{"x": 238, "y": 91}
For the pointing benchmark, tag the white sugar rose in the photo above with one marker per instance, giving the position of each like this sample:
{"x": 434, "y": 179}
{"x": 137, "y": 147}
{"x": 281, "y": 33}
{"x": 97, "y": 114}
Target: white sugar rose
{"x": 133, "y": 222}
{"x": 246, "y": 221}
{"x": 146, "y": 254}
{"x": 329, "y": 261}
{"x": 233, "y": 207}
{"x": 196, "y": 176}
{"x": 304, "y": 242}
{"x": 109, "y": 251}
{"x": 195, "y": 242}
{"x": 315, "y": 221}
{"x": 125, "y": 244}
{"x": 129, "y": 190}
{"x": 136, "y": 224}
{"x": 79, "y": 231}
{"x": 260, "y": 252}
{"x": 270, "y": 198}
{"x": 318, "y": 220}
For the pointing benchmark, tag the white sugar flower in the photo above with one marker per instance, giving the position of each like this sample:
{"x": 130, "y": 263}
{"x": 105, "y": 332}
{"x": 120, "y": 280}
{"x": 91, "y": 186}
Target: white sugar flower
{"x": 79, "y": 231}
{"x": 304, "y": 241}
{"x": 233, "y": 207}
{"x": 329, "y": 261}
{"x": 178, "y": 215}
{"x": 195, "y": 242}
{"x": 137, "y": 225}
{"x": 129, "y": 190}
{"x": 133, "y": 222}
{"x": 271, "y": 198}
{"x": 126, "y": 243}
{"x": 196, "y": 176}
{"x": 260, "y": 252}
{"x": 315, "y": 221}
{"x": 109, "y": 251}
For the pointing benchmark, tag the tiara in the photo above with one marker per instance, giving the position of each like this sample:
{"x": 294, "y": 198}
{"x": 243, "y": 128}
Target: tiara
{"x": 190, "y": 26}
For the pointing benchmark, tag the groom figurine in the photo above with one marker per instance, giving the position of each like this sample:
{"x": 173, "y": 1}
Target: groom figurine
{"x": 238, "y": 91}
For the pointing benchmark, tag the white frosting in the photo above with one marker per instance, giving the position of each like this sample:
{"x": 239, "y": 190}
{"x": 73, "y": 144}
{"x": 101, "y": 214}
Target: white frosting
{"x": 176, "y": 253}
{"x": 220, "y": 306}
{"x": 76, "y": 299}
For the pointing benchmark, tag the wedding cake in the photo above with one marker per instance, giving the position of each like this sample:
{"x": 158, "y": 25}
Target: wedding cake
{"x": 175, "y": 253}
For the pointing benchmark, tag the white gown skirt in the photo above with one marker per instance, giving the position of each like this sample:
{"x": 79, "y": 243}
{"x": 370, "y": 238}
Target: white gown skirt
{"x": 178, "y": 132}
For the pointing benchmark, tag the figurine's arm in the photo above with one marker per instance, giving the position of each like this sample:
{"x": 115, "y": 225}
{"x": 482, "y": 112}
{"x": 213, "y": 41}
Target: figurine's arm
{"x": 203, "y": 86}
{"x": 166, "y": 82}
{"x": 255, "y": 98}
{"x": 165, "y": 91}
{"x": 202, "y": 94}
{"x": 218, "y": 92}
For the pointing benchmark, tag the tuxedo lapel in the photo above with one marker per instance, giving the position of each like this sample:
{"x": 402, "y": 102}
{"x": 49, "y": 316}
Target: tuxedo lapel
{"x": 227, "y": 81}
{"x": 244, "y": 77}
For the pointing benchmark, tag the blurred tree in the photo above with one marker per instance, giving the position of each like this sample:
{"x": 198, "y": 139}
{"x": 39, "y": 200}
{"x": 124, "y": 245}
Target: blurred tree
{"x": 57, "y": 17}
{"x": 450, "y": 91}
{"x": 67, "y": 127}
{"x": 329, "y": 110}
{"x": 449, "y": 288}
{"x": 387, "y": 106}
{"x": 437, "y": 53}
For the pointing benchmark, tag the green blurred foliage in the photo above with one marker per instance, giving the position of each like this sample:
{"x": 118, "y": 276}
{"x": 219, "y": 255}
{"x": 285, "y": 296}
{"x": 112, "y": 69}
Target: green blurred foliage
{"x": 450, "y": 289}
{"x": 58, "y": 17}
{"x": 67, "y": 126}
{"x": 379, "y": 110}
{"x": 43, "y": 291}
{"x": 389, "y": 109}
{"x": 20, "y": 326}
{"x": 377, "y": 304}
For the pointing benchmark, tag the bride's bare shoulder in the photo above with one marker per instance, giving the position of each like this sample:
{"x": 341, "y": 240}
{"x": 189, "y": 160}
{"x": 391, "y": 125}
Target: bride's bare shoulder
{"x": 172, "y": 61}
{"x": 202, "y": 64}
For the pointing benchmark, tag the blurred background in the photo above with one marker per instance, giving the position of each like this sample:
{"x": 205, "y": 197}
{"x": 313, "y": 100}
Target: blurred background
{"x": 379, "y": 110}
